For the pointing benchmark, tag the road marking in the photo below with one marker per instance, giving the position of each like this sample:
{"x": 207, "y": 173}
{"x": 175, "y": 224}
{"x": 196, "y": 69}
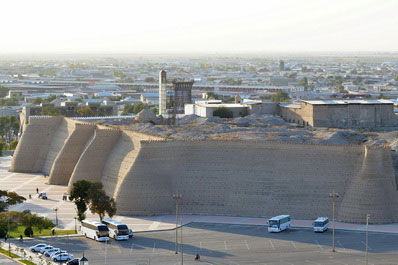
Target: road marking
{"x": 338, "y": 242}
{"x": 225, "y": 245}
{"x": 132, "y": 246}
{"x": 272, "y": 245}
{"x": 200, "y": 244}
{"x": 154, "y": 246}
{"x": 312, "y": 262}
{"x": 294, "y": 245}
{"x": 319, "y": 245}
{"x": 339, "y": 262}
{"x": 369, "y": 248}
{"x": 247, "y": 245}
{"x": 9, "y": 176}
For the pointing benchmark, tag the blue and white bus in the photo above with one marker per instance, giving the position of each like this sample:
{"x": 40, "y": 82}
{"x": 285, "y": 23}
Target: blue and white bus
{"x": 95, "y": 230}
{"x": 279, "y": 223}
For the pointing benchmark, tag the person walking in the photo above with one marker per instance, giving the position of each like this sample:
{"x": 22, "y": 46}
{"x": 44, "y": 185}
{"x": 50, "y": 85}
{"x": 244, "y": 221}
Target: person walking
{"x": 37, "y": 190}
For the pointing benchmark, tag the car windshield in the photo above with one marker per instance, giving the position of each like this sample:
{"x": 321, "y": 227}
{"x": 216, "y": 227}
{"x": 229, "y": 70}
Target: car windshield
{"x": 318, "y": 224}
{"x": 273, "y": 223}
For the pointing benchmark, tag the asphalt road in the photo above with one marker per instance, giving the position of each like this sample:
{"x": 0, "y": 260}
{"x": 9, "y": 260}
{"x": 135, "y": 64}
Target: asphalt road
{"x": 235, "y": 244}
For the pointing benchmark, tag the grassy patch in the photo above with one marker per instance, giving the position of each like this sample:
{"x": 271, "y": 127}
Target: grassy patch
{"x": 27, "y": 262}
{"x": 45, "y": 232}
{"x": 5, "y": 252}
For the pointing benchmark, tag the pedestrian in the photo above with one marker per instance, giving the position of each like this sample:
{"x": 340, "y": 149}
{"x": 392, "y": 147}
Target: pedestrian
{"x": 20, "y": 238}
{"x": 30, "y": 196}
{"x": 53, "y": 231}
{"x": 37, "y": 190}
{"x": 197, "y": 257}
{"x": 5, "y": 238}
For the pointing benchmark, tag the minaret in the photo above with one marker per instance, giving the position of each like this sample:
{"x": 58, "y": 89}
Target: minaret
{"x": 162, "y": 92}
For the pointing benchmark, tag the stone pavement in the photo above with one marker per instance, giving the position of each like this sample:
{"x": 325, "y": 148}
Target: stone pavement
{"x": 25, "y": 184}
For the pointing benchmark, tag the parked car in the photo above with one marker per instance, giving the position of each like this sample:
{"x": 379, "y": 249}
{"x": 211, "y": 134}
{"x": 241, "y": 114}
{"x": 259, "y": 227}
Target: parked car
{"x": 43, "y": 195}
{"x": 44, "y": 249}
{"x": 62, "y": 257}
{"x": 36, "y": 248}
{"x": 73, "y": 262}
{"x": 57, "y": 253}
{"x": 49, "y": 252}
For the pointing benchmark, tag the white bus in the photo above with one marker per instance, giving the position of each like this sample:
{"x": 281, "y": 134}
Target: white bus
{"x": 117, "y": 230}
{"x": 321, "y": 224}
{"x": 95, "y": 230}
{"x": 279, "y": 223}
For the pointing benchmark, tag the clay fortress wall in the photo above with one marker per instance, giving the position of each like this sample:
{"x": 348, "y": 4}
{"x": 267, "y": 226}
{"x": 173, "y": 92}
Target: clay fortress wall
{"x": 245, "y": 178}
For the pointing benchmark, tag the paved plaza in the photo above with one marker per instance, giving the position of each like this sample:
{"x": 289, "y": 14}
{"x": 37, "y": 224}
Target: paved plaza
{"x": 234, "y": 244}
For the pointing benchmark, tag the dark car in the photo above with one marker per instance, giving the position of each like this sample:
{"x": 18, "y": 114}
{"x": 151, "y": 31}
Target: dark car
{"x": 73, "y": 262}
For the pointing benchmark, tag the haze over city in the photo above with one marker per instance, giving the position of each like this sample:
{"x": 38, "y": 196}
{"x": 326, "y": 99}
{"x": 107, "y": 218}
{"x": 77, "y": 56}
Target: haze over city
{"x": 177, "y": 26}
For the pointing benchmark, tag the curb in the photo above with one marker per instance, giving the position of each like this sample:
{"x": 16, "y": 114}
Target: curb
{"x": 17, "y": 261}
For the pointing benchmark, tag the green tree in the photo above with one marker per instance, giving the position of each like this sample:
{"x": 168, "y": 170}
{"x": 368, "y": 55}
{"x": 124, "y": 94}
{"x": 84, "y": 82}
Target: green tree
{"x": 85, "y": 112}
{"x": 280, "y": 97}
{"x": 37, "y": 101}
{"x": 223, "y": 112}
{"x": 80, "y": 196}
{"x": 3, "y": 91}
{"x": 9, "y": 198}
{"x": 127, "y": 109}
{"x": 303, "y": 82}
{"x": 13, "y": 145}
{"x": 281, "y": 65}
{"x": 100, "y": 203}
{"x": 137, "y": 107}
{"x": 49, "y": 111}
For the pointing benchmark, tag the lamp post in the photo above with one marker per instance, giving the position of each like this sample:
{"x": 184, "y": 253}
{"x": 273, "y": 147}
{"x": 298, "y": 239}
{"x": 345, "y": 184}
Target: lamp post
{"x": 75, "y": 224}
{"x": 8, "y": 234}
{"x": 56, "y": 215}
{"x": 83, "y": 260}
{"x": 367, "y": 238}
{"x": 334, "y": 196}
{"x": 182, "y": 245}
{"x": 177, "y": 197}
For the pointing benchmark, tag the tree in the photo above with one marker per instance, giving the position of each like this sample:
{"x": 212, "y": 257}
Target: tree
{"x": 3, "y": 91}
{"x": 37, "y": 101}
{"x": 85, "y": 112}
{"x": 79, "y": 195}
{"x": 280, "y": 97}
{"x": 127, "y": 109}
{"x": 137, "y": 107}
{"x": 100, "y": 203}
{"x": 281, "y": 65}
{"x": 303, "y": 82}
{"x": 223, "y": 112}
{"x": 9, "y": 198}
{"x": 49, "y": 111}
{"x": 13, "y": 145}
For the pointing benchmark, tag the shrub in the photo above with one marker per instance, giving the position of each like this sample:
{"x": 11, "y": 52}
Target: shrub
{"x": 223, "y": 112}
{"x": 28, "y": 232}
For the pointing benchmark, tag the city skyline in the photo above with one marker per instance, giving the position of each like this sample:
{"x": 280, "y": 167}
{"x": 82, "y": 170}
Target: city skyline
{"x": 211, "y": 27}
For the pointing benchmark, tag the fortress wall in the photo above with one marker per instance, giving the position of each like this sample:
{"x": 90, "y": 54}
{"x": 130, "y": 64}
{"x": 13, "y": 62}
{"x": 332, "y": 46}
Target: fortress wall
{"x": 62, "y": 133}
{"x": 238, "y": 177}
{"x": 92, "y": 159}
{"x": 70, "y": 153}
{"x": 372, "y": 191}
{"x": 32, "y": 149}
{"x": 121, "y": 159}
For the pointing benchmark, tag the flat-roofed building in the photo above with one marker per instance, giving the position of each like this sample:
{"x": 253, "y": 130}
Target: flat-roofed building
{"x": 341, "y": 113}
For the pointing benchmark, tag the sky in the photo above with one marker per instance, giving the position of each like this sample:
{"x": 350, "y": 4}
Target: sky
{"x": 205, "y": 26}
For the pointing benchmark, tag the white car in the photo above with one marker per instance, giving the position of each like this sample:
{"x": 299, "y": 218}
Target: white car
{"x": 57, "y": 253}
{"x": 49, "y": 252}
{"x": 44, "y": 249}
{"x": 62, "y": 257}
{"x": 37, "y": 247}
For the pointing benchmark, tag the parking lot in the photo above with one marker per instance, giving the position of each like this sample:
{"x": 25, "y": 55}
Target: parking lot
{"x": 234, "y": 244}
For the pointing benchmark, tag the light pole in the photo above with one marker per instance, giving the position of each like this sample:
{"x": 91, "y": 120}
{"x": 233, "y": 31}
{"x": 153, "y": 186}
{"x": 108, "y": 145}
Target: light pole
{"x": 367, "y": 238}
{"x": 56, "y": 215}
{"x": 334, "y": 196}
{"x": 8, "y": 234}
{"x": 177, "y": 197}
{"x": 182, "y": 245}
{"x": 75, "y": 224}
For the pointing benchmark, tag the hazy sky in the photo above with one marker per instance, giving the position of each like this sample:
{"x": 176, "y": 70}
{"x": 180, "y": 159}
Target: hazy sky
{"x": 116, "y": 26}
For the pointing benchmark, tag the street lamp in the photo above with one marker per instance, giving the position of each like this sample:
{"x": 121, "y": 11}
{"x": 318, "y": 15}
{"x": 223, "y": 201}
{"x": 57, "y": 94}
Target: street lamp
{"x": 177, "y": 197}
{"x": 75, "y": 224}
{"x": 83, "y": 260}
{"x": 334, "y": 196}
{"x": 182, "y": 245}
{"x": 56, "y": 215}
{"x": 367, "y": 224}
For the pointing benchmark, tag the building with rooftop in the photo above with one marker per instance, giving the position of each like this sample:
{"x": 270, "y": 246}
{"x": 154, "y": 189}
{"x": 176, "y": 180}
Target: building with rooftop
{"x": 341, "y": 113}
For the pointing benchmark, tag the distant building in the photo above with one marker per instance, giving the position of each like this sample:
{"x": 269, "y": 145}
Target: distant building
{"x": 207, "y": 107}
{"x": 341, "y": 113}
